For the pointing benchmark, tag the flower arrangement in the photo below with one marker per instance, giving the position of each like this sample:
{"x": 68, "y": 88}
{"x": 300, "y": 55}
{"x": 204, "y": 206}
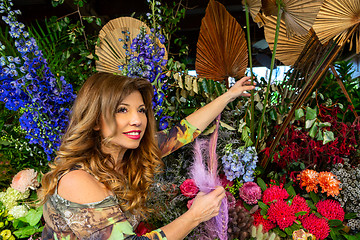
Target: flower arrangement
{"x": 15, "y": 207}
{"x": 285, "y": 212}
{"x": 27, "y": 83}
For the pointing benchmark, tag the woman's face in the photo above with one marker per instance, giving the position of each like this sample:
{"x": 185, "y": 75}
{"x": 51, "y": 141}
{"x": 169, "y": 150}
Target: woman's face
{"x": 131, "y": 121}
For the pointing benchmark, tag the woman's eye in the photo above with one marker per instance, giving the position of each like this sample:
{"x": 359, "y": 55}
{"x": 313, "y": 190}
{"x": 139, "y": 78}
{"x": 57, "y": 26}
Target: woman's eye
{"x": 121, "y": 110}
{"x": 142, "y": 110}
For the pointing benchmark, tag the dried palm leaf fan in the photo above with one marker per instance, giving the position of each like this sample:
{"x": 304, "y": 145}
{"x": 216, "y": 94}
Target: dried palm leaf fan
{"x": 298, "y": 15}
{"x": 288, "y": 49}
{"x": 336, "y": 18}
{"x": 110, "y": 51}
{"x": 221, "y": 48}
{"x": 254, "y": 9}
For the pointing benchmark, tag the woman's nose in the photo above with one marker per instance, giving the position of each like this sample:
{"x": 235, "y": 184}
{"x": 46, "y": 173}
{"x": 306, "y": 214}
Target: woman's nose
{"x": 135, "y": 119}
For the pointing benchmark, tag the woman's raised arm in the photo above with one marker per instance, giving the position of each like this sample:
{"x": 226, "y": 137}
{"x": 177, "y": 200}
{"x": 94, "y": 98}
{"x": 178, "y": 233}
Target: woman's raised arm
{"x": 205, "y": 115}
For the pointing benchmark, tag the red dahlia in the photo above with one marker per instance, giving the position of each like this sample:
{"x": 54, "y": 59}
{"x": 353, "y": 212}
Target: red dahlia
{"x": 319, "y": 227}
{"x": 274, "y": 193}
{"x": 299, "y": 205}
{"x": 282, "y": 214}
{"x": 331, "y": 209}
{"x": 259, "y": 219}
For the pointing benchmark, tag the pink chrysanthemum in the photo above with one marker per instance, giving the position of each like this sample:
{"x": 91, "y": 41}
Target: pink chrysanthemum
{"x": 309, "y": 179}
{"x": 331, "y": 209}
{"x": 282, "y": 214}
{"x": 329, "y": 183}
{"x": 274, "y": 193}
{"x": 24, "y": 180}
{"x": 299, "y": 205}
{"x": 317, "y": 226}
{"x": 259, "y": 219}
{"x": 250, "y": 192}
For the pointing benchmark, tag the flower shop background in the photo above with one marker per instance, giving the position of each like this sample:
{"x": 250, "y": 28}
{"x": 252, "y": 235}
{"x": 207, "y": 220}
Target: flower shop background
{"x": 288, "y": 156}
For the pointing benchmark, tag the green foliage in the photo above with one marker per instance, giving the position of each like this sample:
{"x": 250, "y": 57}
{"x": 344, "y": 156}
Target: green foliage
{"x": 330, "y": 89}
{"x": 29, "y": 224}
{"x": 69, "y": 52}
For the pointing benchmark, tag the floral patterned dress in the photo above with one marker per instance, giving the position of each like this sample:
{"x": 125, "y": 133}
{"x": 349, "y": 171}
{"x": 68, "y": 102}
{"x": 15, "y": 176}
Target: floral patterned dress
{"x": 67, "y": 220}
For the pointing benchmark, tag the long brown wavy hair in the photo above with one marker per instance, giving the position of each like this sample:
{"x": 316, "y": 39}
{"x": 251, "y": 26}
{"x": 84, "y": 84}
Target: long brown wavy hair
{"x": 130, "y": 178}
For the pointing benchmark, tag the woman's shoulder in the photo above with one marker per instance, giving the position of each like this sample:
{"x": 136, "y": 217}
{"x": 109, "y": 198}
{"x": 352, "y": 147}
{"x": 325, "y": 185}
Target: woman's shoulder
{"x": 79, "y": 186}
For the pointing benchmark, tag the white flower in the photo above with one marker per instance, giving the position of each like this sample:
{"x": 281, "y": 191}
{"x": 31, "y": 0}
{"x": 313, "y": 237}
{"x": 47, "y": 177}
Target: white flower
{"x": 18, "y": 211}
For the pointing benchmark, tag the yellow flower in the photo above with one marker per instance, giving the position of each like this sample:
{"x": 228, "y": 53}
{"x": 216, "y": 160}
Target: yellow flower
{"x": 5, "y": 234}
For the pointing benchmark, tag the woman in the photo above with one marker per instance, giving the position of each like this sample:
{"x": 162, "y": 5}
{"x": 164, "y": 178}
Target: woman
{"x": 98, "y": 184}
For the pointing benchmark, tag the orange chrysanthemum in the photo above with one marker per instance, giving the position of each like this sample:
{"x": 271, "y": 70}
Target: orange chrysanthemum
{"x": 329, "y": 183}
{"x": 309, "y": 179}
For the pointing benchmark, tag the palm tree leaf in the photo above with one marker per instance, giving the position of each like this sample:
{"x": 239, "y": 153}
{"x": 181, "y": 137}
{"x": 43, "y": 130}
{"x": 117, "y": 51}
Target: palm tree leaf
{"x": 299, "y": 15}
{"x": 288, "y": 48}
{"x": 336, "y": 18}
{"x": 221, "y": 48}
{"x": 254, "y": 8}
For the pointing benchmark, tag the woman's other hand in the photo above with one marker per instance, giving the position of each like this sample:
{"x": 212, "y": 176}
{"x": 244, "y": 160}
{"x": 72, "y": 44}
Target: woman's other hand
{"x": 240, "y": 88}
{"x": 207, "y": 206}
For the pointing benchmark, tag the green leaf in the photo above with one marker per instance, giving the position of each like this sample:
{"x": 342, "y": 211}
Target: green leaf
{"x": 98, "y": 21}
{"x": 300, "y": 213}
{"x": 261, "y": 184}
{"x": 273, "y": 114}
{"x": 299, "y": 113}
{"x": 309, "y": 123}
{"x": 311, "y": 204}
{"x": 263, "y": 212}
{"x": 350, "y": 215}
{"x": 25, "y": 232}
{"x": 313, "y": 130}
{"x": 279, "y": 232}
{"x": 34, "y": 216}
{"x": 291, "y": 190}
{"x": 328, "y": 137}
{"x": 320, "y": 136}
{"x": 314, "y": 197}
{"x": 334, "y": 223}
{"x": 263, "y": 205}
{"x": 311, "y": 113}
{"x": 352, "y": 237}
{"x": 288, "y": 231}
{"x": 324, "y": 124}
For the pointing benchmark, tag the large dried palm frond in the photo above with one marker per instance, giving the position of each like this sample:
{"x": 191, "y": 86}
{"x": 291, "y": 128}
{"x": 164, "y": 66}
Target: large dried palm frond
{"x": 336, "y": 19}
{"x": 254, "y": 7}
{"x": 111, "y": 51}
{"x": 221, "y": 48}
{"x": 298, "y": 15}
{"x": 288, "y": 49}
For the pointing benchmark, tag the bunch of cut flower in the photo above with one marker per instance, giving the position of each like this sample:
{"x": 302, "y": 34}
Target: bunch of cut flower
{"x": 15, "y": 207}
{"x": 310, "y": 214}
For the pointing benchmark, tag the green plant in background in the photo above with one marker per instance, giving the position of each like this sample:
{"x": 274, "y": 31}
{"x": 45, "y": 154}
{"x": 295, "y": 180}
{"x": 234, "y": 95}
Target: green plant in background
{"x": 330, "y": 89}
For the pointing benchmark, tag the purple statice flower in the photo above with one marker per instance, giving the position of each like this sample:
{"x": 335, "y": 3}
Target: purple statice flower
{"x": 27, "y": 83}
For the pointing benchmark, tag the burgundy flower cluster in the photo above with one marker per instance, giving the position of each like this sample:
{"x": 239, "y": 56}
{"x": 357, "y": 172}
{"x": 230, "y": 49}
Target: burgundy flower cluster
{"x": 298, "y": 146}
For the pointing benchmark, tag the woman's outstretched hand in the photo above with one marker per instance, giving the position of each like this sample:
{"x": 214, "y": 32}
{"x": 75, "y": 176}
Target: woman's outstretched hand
{"x": 240, "y": 88}
{"x": 207, "y": 206}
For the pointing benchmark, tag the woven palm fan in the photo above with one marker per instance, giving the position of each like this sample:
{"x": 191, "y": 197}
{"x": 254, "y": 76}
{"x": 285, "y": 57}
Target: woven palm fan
{"x": 111, "y": 51}
{"x": 288, "y": 49}
{"x": 298, "y": 15}
{"x": 336, "y": 18}
{"x": 221, "y": 48}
